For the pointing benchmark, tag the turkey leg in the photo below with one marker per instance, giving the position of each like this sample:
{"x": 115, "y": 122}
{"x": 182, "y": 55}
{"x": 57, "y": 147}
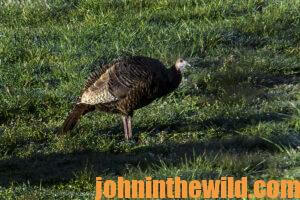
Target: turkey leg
{"x": 127, "y": 127}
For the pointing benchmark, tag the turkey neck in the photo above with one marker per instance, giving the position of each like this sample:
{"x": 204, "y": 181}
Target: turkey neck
{"x": 174, "y": 77}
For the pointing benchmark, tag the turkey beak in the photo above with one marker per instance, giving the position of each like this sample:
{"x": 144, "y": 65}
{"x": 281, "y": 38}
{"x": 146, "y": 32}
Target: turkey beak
{"x": 188, "y": 64}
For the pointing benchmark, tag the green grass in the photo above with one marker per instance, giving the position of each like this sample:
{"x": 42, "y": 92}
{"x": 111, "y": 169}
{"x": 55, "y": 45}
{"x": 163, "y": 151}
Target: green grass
{"x": 237, "y": 113}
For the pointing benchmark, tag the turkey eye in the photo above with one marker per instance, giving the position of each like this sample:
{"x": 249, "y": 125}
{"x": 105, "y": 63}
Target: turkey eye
{"x": 181, "y": 60}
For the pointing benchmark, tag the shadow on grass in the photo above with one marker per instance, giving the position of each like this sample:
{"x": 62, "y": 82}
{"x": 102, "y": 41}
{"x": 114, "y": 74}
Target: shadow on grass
{"x": 59, "y": 168}
{"x": 267, "y": 80}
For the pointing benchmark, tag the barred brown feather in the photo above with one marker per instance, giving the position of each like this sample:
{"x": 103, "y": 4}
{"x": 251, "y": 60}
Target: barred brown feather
{"x": 73, "y": 117}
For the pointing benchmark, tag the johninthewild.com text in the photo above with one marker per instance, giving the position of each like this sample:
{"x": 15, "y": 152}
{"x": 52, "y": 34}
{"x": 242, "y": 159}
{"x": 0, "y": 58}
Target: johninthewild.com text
{"x": 225, "y": 187}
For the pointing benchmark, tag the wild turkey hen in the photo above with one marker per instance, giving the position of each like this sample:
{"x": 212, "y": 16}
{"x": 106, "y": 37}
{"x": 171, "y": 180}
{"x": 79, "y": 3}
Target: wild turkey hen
{"x": 125, "y": 85}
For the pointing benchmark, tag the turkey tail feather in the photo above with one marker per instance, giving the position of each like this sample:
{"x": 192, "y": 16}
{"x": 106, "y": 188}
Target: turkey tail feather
{"x": 73, "y": 117}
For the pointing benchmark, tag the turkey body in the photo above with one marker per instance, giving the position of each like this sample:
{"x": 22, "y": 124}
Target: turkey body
{"x": 124, "y": 86}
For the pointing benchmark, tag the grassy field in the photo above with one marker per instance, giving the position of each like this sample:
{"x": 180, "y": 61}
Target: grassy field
{"x": 237, "y": 113}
